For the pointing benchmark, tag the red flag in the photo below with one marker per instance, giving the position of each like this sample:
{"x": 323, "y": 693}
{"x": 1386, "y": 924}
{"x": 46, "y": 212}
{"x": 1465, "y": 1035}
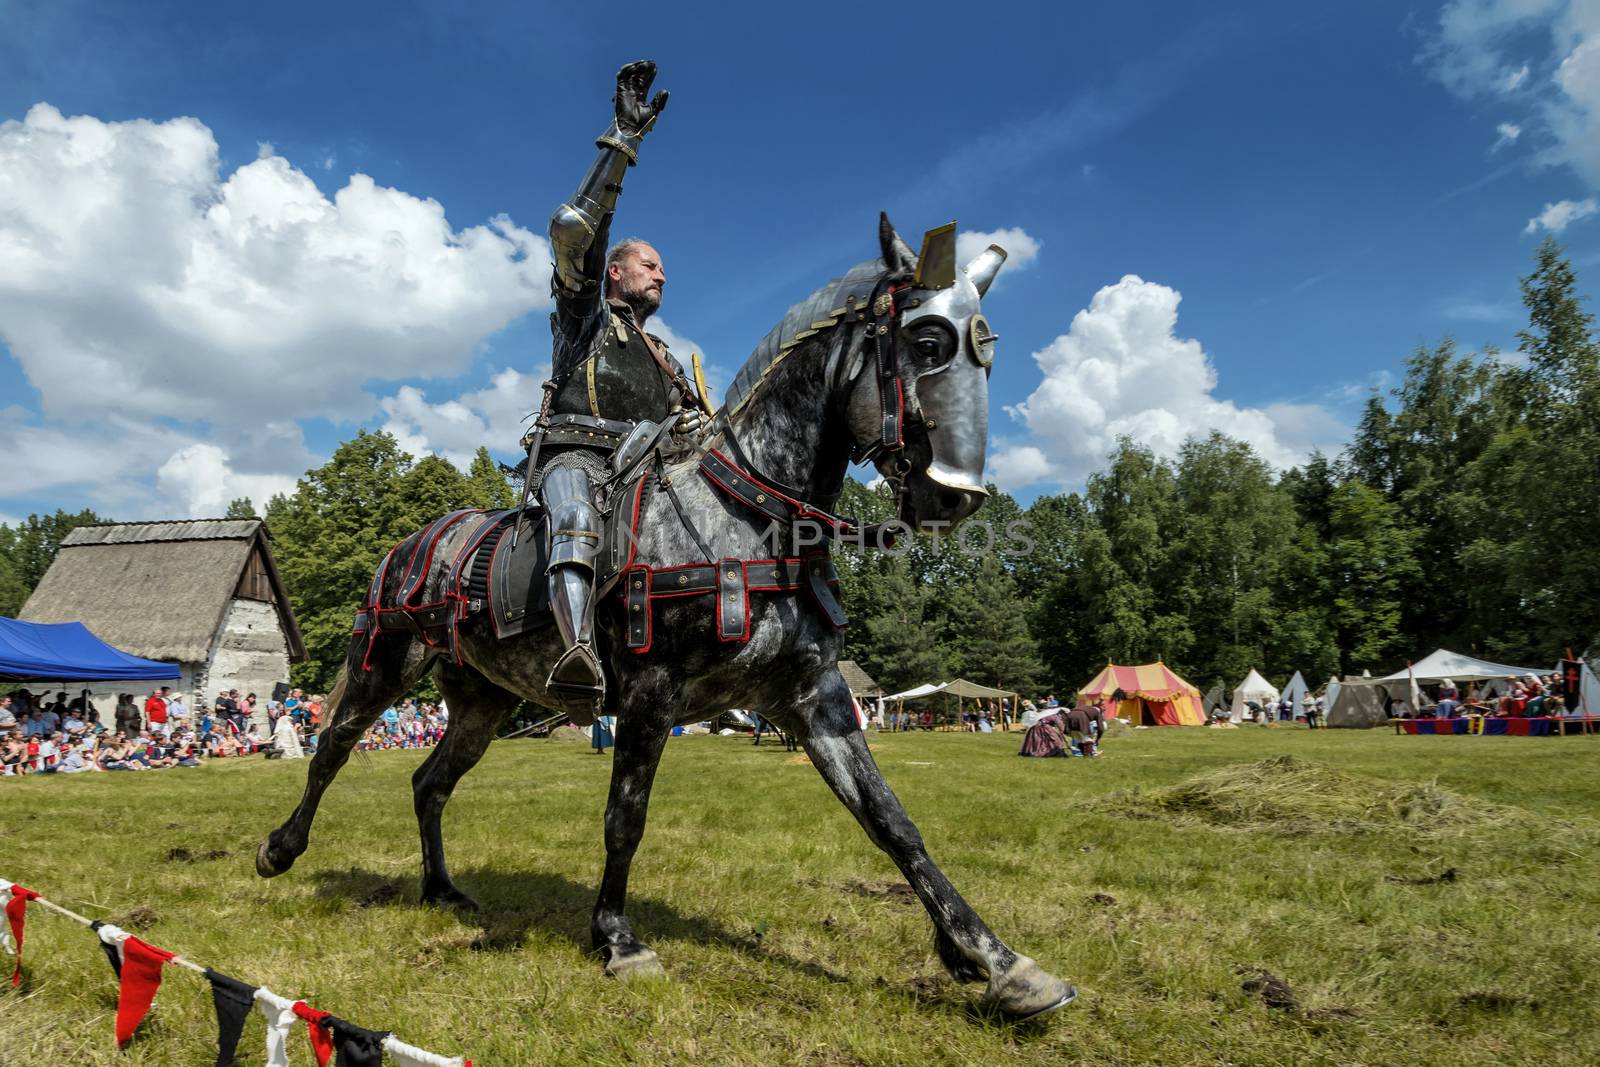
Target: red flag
{"x": 16, "y": 913}
{"x": 141, "y": 977}
{"x": 321, "y": 1040}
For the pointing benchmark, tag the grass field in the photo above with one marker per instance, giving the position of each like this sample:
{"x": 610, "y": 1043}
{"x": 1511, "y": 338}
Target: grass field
{"x": 1425, "y": 900}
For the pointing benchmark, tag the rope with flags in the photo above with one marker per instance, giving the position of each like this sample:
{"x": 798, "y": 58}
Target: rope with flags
{"x": 139, "y": 965}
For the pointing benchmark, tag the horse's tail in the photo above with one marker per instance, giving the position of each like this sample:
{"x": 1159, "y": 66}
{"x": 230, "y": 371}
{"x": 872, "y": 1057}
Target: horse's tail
{"x": 336, "y": 695}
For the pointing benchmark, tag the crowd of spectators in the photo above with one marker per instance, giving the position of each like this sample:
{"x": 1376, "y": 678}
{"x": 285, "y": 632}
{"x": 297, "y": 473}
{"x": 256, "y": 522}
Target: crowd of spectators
{"x": 40, "y": 735}
{"x": 409, "y": 724}
{"x": 1532, "y": 696}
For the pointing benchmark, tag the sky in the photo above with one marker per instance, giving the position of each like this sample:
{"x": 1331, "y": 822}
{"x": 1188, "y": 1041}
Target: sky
{"x": 233, "y": 235}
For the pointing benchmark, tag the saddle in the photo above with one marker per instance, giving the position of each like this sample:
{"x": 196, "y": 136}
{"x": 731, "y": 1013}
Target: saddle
{"x": 465, "y": 565}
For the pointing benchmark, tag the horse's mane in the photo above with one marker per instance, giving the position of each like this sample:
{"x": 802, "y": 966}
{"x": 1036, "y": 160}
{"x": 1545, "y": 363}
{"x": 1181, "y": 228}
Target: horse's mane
{"x": 820, "y": 311}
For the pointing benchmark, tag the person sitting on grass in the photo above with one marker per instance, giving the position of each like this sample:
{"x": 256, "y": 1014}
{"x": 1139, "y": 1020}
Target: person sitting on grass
{"x": 71, "y": 761}
{"x": 13, "y": 755}
{"x": 116, "y": 756}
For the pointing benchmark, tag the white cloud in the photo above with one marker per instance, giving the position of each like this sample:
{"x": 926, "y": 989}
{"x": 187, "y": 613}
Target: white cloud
{"x": 491, "y": 417}
{"x": 109, "y": 464}
{"x": 1509, "y": 132}
{"x": 1122, "y": 370}
{"x": 135, "y": 275}
{"x": 1558, "y": 216}
{"x": 1472, "y": 49}
{"x": 1014, "y": 465}
{"x": 201, "y": 480}
{"x": 1021, "y": 247}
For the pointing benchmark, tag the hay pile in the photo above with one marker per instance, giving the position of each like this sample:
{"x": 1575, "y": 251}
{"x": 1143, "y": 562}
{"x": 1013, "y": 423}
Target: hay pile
{"x": 1285, "y": 794}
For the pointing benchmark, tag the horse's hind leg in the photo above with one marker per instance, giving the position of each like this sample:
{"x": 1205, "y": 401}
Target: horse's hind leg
{"x": 477, "y": 707}
{"x": 970, "y": 951}
{"x": 358, "y": 698}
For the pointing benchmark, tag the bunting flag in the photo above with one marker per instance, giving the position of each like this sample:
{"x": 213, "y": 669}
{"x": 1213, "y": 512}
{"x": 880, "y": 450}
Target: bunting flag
{"x": 16, "y": 916}
{"x": 139, "y": 967}
{"x": 280, "y": 1019}
{"x": 141, "y": 977}
{"x": 356, "y": 1047}
{"x": 232, "y": 999}
{"x": 111, "y": 939}
{"x": 6, "y": 940}
{"x": 321, "y": 1040}
{"x": 411, "y": 1056}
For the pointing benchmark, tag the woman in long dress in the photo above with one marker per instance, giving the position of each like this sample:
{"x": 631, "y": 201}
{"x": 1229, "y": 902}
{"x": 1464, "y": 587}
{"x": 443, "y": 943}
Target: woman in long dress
{"x": 284, "y": 736}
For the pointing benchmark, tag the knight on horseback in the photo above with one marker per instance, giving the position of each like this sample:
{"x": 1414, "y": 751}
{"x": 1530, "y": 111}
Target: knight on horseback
{"x": 611, "y": 382}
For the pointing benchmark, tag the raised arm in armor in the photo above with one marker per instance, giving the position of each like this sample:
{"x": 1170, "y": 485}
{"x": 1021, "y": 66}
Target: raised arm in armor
{"x": 580, "y": 228}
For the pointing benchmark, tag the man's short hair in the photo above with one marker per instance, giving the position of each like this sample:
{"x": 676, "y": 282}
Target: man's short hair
{"x": 615, "y": 254}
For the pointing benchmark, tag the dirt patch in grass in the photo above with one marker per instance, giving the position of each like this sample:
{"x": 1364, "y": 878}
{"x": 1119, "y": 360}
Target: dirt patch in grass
{"x": 1273, "y": 991}
{"x": 1444, "y": 877}
{"x": 137, "y": 919}
{"x": 382, "y": 893}
{"x": 883, "y": 890}
{"x": 184, "y": 855}
{"x": 1289, "y": 795}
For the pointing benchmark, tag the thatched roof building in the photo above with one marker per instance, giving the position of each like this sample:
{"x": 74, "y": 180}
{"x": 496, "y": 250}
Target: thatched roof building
{"x": 205, "y": 593}
{"x": 859, "y": 681}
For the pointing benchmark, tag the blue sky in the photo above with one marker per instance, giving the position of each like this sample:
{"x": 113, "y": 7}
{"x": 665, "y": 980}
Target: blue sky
{"x": 235, "y": 234}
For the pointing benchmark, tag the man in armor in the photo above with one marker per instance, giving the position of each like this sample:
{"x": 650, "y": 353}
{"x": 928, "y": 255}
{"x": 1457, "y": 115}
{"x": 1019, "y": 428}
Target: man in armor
{"x": 607, "y": 377}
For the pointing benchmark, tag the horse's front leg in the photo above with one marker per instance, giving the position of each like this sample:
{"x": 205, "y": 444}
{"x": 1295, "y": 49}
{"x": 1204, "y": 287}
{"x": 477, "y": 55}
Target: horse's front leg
{"x": 1018, "y": 987}
{"x": 641, "y": 735}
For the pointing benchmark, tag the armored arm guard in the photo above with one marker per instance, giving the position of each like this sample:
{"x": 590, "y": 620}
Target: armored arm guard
{"x": 578, "y": 228}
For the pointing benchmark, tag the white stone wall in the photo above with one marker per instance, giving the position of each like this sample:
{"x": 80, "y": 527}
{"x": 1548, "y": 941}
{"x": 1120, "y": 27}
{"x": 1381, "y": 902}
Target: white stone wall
{"x": 251, "y": 654}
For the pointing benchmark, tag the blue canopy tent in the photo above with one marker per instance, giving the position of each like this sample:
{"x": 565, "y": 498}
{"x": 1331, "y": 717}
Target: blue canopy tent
{"x": 67, "y": 651}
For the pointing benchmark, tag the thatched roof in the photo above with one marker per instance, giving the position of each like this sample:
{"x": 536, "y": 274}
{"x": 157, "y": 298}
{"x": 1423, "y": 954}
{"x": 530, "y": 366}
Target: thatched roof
{"x": 159, "y": 589}
{"x": 859, "y": 681}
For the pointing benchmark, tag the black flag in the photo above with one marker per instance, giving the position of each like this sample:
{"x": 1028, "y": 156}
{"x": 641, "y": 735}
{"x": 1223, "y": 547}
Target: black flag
{"x": 233, "y": 1000}
{"x": 354, "y": 1046}
{"x": 109, "y": 949}
{"x": 1572, "y": 684}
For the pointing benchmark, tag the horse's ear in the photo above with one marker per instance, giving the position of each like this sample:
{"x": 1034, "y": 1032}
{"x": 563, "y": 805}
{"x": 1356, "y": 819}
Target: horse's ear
{"x": 984, "y": 266}
{"x": 897, "y": 255}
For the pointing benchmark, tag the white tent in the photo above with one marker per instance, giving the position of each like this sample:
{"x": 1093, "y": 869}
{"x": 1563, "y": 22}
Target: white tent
{"x": 925, "y": 689}
{"x": 1295, "y": 692}
{"x": 1254, "y": 688}
{"x": 1444, "y": 664}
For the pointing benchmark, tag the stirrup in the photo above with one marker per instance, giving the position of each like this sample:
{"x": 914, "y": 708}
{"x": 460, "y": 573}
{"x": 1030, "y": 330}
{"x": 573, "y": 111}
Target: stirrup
{"x": 577, "y": 674}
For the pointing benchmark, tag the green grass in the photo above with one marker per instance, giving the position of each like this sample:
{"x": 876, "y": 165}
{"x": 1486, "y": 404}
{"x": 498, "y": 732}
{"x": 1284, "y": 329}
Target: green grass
{"x": 1161, "y": 879}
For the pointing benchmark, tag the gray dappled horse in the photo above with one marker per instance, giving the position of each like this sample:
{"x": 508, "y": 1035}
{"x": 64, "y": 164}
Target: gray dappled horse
{"x": 889, "y": 364}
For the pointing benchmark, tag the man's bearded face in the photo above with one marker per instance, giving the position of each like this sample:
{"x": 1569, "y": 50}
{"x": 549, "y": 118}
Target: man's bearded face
{"x": 637, "y": 280}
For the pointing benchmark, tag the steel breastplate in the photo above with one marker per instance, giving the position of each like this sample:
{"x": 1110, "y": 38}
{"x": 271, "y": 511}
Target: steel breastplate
{"x": 620, "y": 380}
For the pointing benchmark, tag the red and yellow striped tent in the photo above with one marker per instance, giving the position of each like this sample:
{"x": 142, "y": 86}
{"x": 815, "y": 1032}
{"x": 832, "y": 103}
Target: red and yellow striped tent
{"x": 1154, "y": 696}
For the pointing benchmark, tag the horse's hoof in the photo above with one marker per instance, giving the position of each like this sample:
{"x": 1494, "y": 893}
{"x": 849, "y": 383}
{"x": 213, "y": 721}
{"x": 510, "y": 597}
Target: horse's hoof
{"x": 1026, "y": 991}
{"x": 451, "y": 898}
{"x": 266, "y": 867}
{"x": 632, "y": 962}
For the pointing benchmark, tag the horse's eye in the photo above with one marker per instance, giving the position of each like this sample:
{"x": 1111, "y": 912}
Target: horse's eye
{"x": 928, "y": 346}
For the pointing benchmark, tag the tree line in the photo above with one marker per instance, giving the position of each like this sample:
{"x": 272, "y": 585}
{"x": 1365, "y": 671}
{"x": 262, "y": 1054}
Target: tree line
{"x": 1459, "y": 516}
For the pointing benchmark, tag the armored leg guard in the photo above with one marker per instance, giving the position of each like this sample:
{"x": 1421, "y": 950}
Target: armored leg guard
{"x": 577, "y": 680}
